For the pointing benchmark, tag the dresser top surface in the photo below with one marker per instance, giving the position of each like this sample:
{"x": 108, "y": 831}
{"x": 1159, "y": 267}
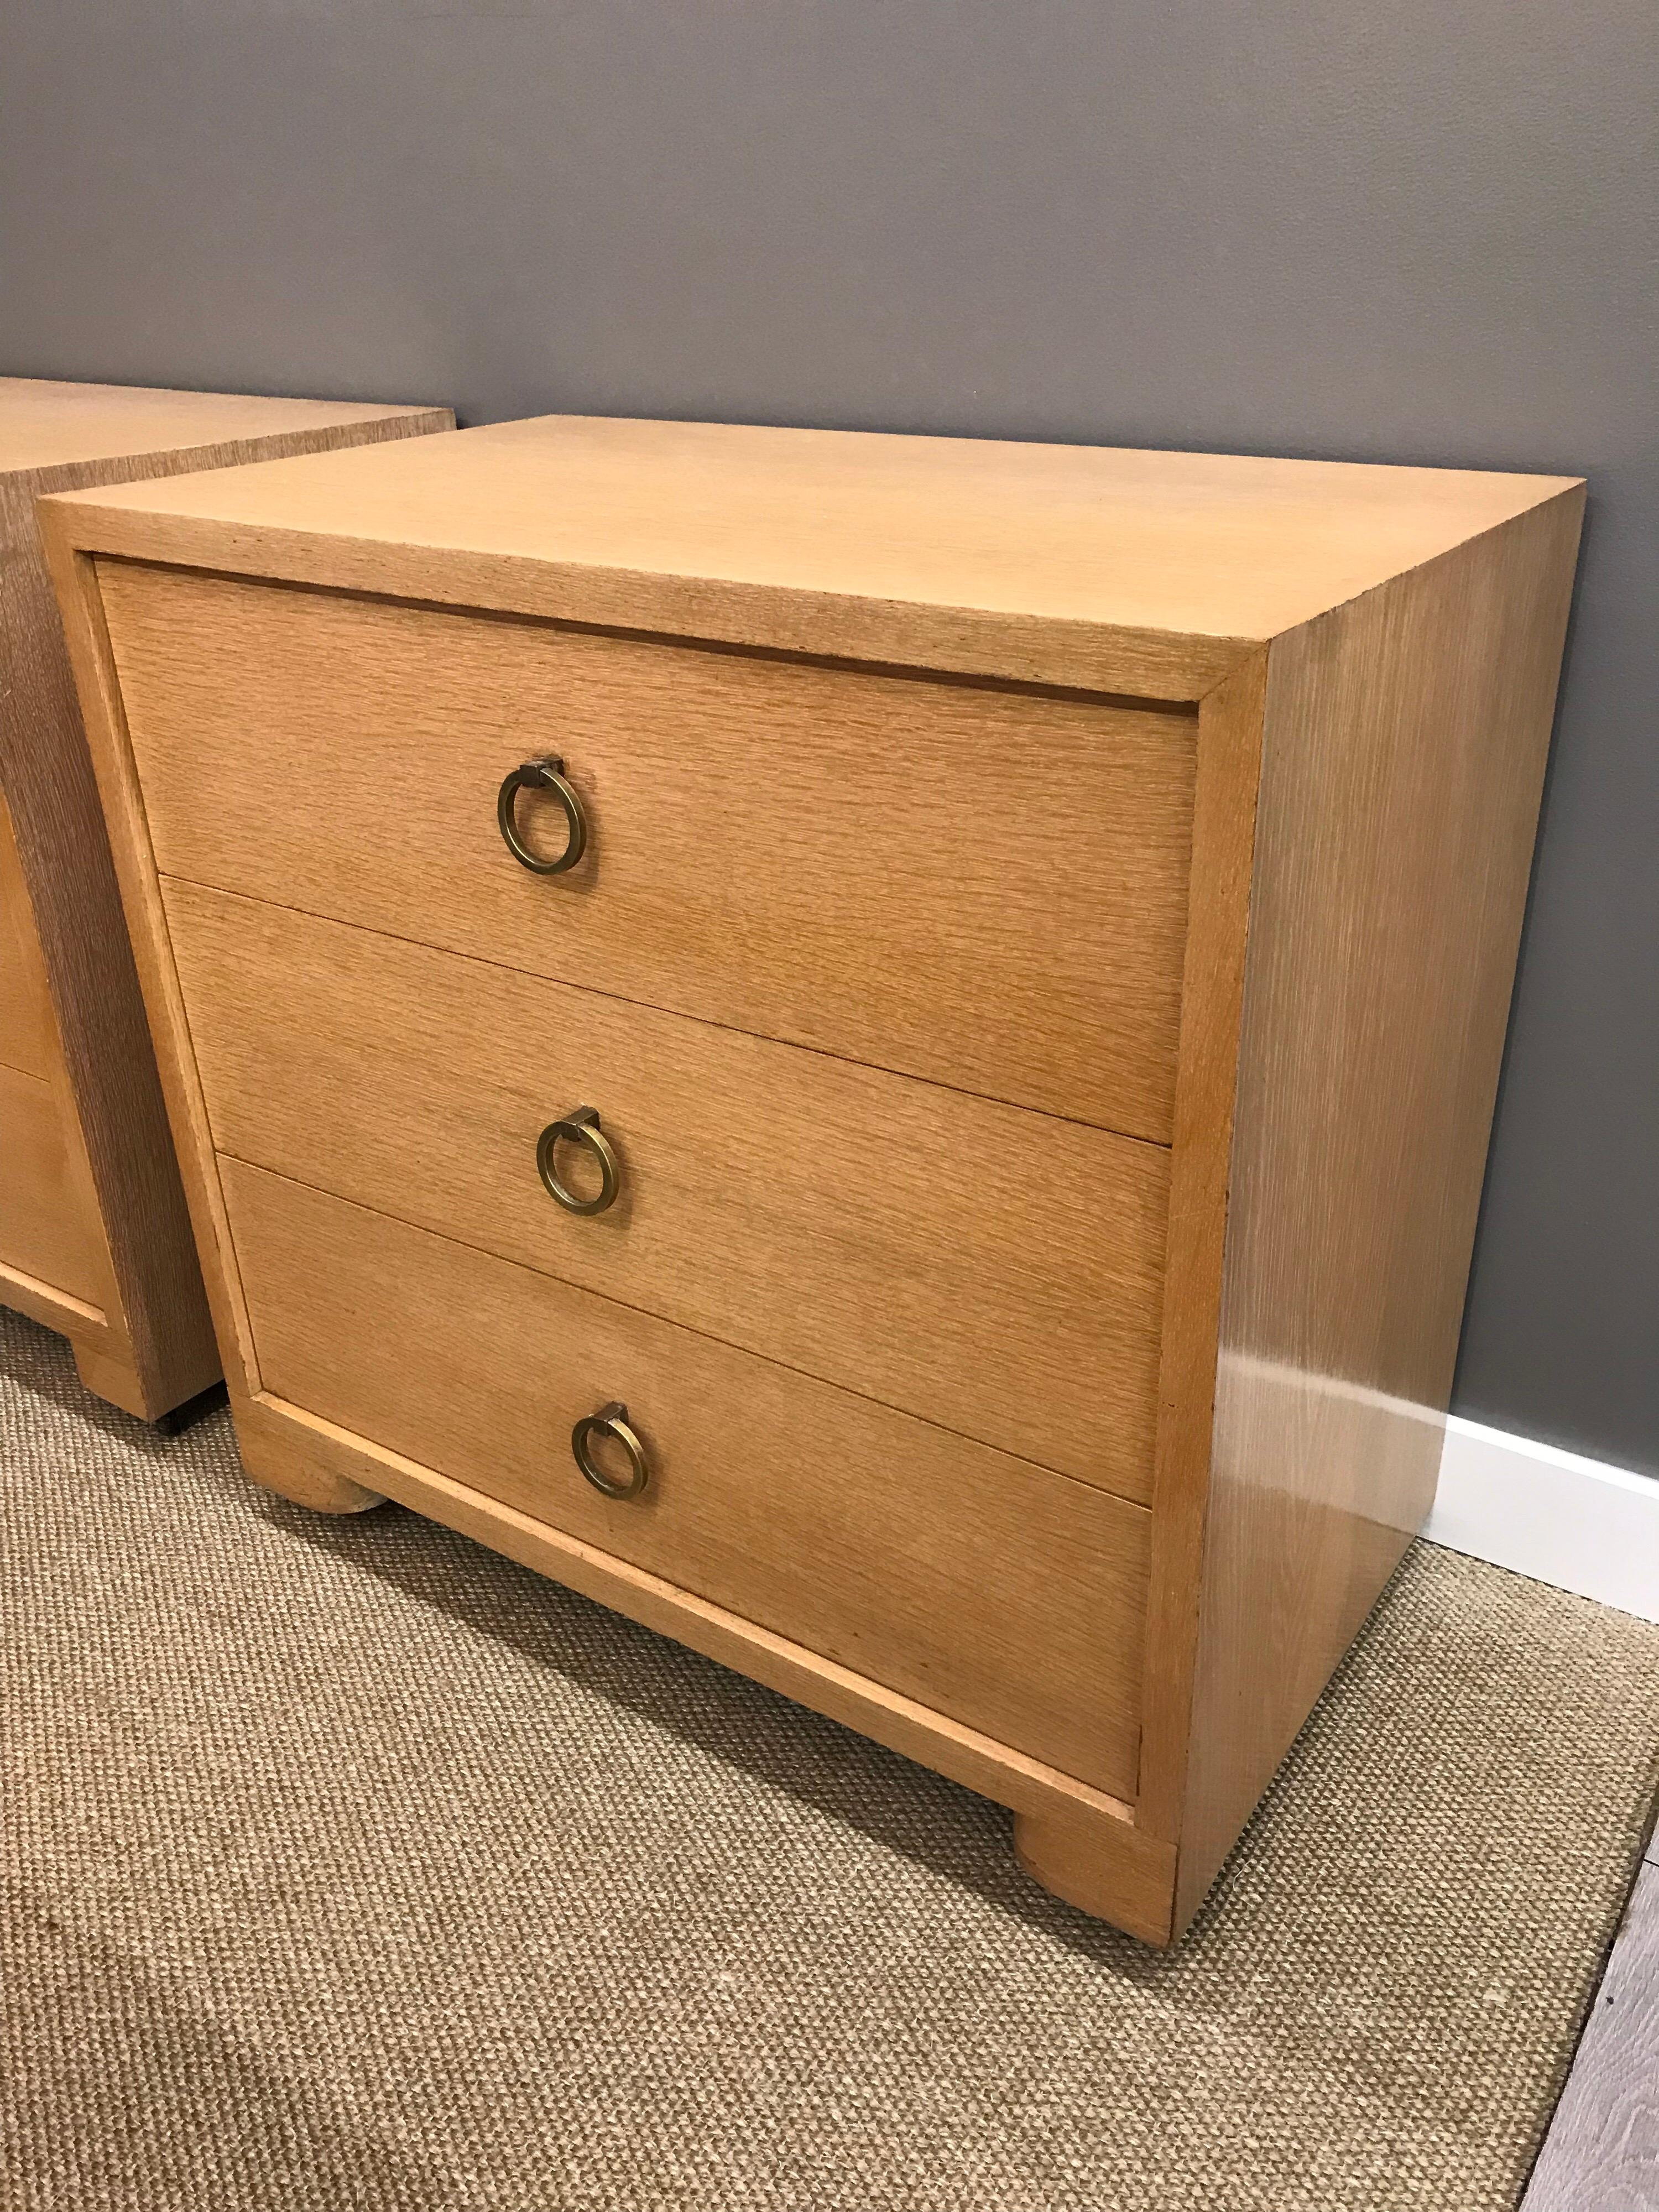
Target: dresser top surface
{"x": 1205, "y": 545}
{"x": 47, "y": 425}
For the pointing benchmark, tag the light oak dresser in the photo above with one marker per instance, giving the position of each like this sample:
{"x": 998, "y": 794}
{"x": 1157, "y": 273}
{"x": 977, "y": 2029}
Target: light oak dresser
{"x": 94, "y": 1238}
{"x": 878, "y": 1051}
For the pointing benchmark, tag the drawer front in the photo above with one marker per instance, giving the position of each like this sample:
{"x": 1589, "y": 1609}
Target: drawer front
{"x": 982, "y": 886}
{"x": 1008, "y": 1598}
{"x": 995, "y": 1271}
{"x": 27, "y": 1033}
{"x": 45, "y": 1204}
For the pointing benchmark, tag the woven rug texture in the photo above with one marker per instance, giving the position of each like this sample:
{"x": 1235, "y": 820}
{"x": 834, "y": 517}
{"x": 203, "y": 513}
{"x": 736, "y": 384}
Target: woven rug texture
{"x": 347, "y": 1865}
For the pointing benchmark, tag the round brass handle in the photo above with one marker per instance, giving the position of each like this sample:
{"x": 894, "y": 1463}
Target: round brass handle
{"x": 544, "y": 775}
{"x": 581, "y": 1127}
{"x": 611, "y": 1420}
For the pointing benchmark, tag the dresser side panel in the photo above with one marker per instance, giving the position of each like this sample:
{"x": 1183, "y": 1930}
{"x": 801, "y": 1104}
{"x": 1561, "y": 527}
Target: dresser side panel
{"x": 44, "y": 1169}
{"x": 64, "y": 856}
{"x": 1404, "y": 753}
{"x": 28, "y": 1037}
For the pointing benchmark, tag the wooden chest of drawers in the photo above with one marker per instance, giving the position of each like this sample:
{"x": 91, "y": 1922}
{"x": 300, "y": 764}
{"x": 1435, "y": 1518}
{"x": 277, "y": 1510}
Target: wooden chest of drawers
{"x": 877, "y": 1051}
{"x": 94, "y": 1238}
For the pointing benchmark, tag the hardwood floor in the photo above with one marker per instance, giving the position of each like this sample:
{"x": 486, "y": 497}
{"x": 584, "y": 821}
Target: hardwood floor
{"x": 1603, "y": 2151}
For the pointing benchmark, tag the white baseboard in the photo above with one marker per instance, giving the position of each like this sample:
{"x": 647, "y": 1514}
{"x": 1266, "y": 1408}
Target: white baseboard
{"x": 1550, "y": 1515}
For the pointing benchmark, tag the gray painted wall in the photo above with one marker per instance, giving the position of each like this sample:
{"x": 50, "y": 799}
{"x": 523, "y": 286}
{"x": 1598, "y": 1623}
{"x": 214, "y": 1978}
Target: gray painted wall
{"x": 1423, "y": 233}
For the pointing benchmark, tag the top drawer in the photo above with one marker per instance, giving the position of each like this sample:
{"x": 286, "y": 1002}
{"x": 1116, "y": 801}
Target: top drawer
{"x": 974, "y": 883}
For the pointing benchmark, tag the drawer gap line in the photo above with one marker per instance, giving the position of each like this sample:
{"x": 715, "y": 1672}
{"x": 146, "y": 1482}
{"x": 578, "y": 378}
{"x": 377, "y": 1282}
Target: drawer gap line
{"x": 689, "y": 1329}
{"x": 679, "y": 1013}
{"x": 904, "y": 671}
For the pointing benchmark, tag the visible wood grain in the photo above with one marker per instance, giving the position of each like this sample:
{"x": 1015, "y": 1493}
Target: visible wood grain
{"x": 992, "y": 1270}
{"x": 28, "y": 1038}
{"x": 53, "y": 1198}
{"x": 1224, "y": 833}
{"x": 1135, "y": 1873}
{"x": 1143, "y": 572}
{"x": 76, "y": 582}
{"x": 104, "y": 1085}
{"x": 1601, "y": 2153}
{"x": 856, "y": 1531}
{"x": 1403, "y": 758}
{"x": 44, "y": 1227}
{"x": 884, "y": 869}
{"x": 47, "y": 425}
{"x": 55, "y": 437}
{"x": 108, "y": 1376}
{"x": 53, "y": 1308}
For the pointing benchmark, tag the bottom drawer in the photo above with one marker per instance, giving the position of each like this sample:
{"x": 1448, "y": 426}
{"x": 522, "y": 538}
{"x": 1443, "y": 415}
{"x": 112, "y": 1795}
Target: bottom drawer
{"x": 45, "y": 1209}
{"x": 1009, "y": 1598}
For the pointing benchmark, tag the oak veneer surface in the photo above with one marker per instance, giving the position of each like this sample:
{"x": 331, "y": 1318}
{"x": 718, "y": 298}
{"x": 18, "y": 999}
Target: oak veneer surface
{"x": 48, "y": 425}
{"x": 860, "y": 1533}
{"x": 766, "y": 838}
{"x": 55, "y": 437}
{"x": 44, "y": 1229}
{"x": 997, "y": 1272}
{"x": 1250, "y": 797}
{"x": 1406, "y": 741}
{"x": 1038, "y": 558}
{"x": 27, "y": 1041}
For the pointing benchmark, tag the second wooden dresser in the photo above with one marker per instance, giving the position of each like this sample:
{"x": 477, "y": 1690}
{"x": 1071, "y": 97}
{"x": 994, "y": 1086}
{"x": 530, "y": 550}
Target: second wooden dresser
{"x": 877, "y": 1051}
{"x": 94, "y": 1238}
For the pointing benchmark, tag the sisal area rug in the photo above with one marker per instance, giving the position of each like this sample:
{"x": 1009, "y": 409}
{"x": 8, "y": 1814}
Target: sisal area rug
{"x": 345, "y": 1865}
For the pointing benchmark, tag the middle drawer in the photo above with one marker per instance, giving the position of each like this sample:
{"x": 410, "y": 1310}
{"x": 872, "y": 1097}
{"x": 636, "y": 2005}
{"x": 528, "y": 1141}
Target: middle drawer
{"x": 990, "y": 1269}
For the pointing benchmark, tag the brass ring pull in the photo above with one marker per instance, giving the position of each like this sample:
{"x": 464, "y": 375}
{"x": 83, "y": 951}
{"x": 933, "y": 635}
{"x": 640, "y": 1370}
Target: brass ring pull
{"x": 611, "y": 1420}
{"x": 544, "y": 775}
{"x": 580, "y": 1127}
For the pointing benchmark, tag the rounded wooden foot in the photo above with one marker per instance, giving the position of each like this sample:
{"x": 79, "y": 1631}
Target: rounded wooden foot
{"x": 276, "y": 1462}
{"x": 1102, "y": 1865}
